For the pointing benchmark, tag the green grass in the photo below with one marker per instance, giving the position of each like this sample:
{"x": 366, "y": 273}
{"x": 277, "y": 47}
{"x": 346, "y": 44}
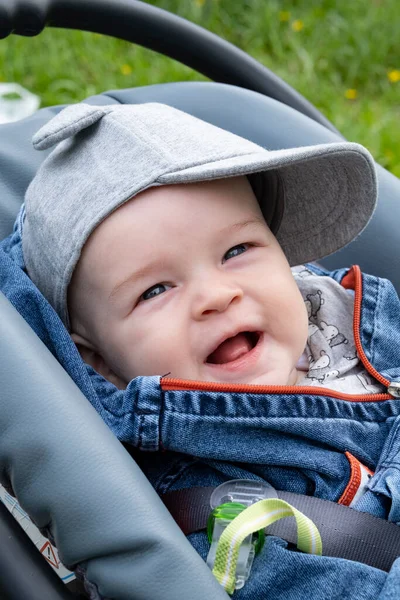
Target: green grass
{"x": 323, "y": 48}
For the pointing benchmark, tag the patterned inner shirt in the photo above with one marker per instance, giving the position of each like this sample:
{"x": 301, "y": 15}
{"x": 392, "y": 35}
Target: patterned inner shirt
{"x": 330, "y": 357}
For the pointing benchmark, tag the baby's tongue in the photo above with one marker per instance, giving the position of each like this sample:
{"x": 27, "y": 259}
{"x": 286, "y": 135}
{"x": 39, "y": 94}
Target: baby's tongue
{"x": 230, "y": 349}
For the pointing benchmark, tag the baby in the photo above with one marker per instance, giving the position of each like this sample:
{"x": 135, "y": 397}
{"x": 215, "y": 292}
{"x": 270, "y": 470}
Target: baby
{"x": 185, "y": 279}
{"x": 170, "y": 249}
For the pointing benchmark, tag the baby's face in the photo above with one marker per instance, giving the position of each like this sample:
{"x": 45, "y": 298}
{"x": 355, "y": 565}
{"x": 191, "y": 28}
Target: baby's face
{"x": 188, "y": 280}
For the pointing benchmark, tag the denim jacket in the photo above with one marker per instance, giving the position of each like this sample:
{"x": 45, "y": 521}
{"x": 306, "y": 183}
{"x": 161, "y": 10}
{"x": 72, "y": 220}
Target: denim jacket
{"x": 306, "y": 440}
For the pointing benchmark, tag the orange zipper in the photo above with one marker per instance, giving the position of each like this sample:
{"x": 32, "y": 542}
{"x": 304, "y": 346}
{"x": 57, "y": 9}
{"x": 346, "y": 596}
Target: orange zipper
{"x": 356, "y": 326}
{"x": 352, "y": 280}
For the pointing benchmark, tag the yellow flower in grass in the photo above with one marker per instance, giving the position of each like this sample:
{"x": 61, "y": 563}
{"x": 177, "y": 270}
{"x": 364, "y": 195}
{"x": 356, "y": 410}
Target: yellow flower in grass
{"x": 394, "y": 75}
{"x": 199, "y": 3}
{"x": 284, "y": 15}
{"x": 297, "y": 25}
{"x": 351, "y": 94}
{"x": 389, "y": 154}
{"x": 126, "y": 69}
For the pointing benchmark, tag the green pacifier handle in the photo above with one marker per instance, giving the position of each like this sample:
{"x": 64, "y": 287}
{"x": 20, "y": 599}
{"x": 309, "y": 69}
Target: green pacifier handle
{"x": 229, "y": 511}
{"x": 252, "y": 519}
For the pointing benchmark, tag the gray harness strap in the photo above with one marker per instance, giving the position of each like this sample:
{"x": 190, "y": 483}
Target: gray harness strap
{"x": 345, "y": 532}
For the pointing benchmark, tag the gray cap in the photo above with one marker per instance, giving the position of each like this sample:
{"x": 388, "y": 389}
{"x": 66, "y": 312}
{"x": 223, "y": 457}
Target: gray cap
{"x": 316, "y": 198}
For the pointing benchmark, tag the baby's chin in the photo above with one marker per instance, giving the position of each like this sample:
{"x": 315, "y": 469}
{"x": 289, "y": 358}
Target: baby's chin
{"x": 270, "y": 378}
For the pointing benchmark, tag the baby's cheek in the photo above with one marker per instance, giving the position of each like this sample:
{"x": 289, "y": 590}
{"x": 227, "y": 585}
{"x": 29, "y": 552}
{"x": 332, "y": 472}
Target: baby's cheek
{"x": 154, "y": 355}
{"x": 154, "y": 343}
{"x": 291, "y": 319}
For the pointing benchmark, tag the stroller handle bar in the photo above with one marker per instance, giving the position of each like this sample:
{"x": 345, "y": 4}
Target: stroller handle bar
{"x": 157, "y": 30}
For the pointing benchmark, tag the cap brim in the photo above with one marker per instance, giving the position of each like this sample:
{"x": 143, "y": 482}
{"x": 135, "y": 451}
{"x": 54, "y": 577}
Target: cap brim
{"x": 329, "y": 193}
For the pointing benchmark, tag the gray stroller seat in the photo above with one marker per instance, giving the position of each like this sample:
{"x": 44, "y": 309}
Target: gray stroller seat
{"x": 91, "y": 497}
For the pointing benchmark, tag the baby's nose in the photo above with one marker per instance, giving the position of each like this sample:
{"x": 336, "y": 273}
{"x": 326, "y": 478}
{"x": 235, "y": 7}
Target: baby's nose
{"x": 215, "y": 298}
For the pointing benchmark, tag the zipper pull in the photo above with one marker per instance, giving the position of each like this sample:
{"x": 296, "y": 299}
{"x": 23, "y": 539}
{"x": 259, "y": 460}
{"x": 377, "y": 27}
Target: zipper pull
{"x": 394, "y": 389}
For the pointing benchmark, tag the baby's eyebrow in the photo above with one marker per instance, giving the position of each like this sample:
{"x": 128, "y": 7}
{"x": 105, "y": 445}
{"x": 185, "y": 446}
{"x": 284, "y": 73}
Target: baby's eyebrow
{"x": 135, "y": 276}
{"x": 242, "y": 224}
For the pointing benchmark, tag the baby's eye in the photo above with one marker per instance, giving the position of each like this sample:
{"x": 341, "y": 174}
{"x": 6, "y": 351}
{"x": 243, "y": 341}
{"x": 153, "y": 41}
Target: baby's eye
{"x": 155, "y": 290}
{"x": 235, "y": 251}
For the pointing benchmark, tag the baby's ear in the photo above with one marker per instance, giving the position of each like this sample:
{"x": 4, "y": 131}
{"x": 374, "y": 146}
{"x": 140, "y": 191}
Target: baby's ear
{"x": 95, "y": 360}
{"x": 86, "y": 350}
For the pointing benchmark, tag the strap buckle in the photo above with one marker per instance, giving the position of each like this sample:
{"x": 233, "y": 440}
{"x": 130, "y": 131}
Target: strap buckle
{"x": 227, "y": 501}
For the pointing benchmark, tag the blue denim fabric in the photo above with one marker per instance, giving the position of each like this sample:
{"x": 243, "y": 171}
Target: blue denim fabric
{"x": 297, "y": 442}
{"x": 380, "y": 326}
{"x": 281, "y": 573}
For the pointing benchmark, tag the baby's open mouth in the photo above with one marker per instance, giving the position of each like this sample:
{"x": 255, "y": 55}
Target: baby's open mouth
{"x": 234, "y": 347}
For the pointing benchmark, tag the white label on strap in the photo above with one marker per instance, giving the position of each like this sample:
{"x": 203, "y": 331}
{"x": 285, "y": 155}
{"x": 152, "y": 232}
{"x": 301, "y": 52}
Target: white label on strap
{"x": 48, "y": 551}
